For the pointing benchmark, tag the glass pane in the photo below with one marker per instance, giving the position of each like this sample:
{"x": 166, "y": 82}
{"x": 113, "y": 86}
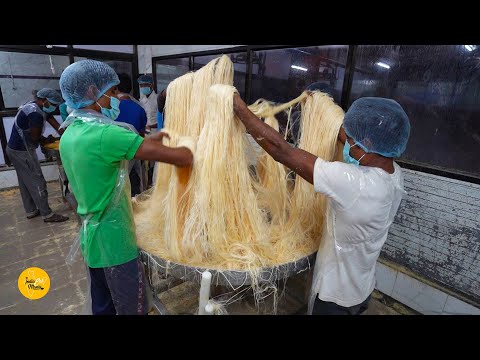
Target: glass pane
{"x": 48, "y": 130}
{"x": 439, "y": 88}
{"x": 2, "y": 158}
{"x": 281, "y": 75}
{"x": 21, "y": 73}
{"x": 117, "y": 65}
{"x": 18, "y": 91}
{"x": 239, "y": 64}
{"x": 116, "y": 48}
{"x": 169, "y": 69}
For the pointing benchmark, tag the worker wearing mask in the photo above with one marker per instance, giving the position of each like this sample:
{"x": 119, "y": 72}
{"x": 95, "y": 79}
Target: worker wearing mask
{"x": 21, "y": 150}
{"x": 148, "y": 98}
{"x": 363, "y": 193}
{"x": 95, "y": 151}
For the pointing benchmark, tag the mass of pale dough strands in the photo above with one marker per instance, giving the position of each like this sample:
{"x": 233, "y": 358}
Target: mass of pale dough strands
{"x": 218, "y": 214}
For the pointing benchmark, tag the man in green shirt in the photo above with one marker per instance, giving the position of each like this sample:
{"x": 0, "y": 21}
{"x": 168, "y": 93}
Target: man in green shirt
{"x": 95, "y": 151}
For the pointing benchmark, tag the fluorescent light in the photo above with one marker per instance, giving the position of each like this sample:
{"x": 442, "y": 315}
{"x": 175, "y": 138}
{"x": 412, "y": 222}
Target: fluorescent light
{"x": 299, "y": 68}
{"x": 381, "y": 64}
{"x": 470, "y": 47}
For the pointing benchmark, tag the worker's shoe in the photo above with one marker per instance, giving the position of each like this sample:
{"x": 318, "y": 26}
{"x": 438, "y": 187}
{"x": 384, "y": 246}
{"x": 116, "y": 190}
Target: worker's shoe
{"x": 35, "y": 214}
{"x": 56, "y": 218}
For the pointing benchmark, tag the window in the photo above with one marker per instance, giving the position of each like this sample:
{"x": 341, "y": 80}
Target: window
{"x": 281, "y": 75}
{"x": 239, "y": 65}
{"x": 21, "y": 73}
{"x": 168, "y": 70}
{"x": 439, "y": 88}
{"x": 47, "y": 130}
{"x": 2, "y": 158}
{"x": 114, "y": 48}
{"x": 117, "y": 65}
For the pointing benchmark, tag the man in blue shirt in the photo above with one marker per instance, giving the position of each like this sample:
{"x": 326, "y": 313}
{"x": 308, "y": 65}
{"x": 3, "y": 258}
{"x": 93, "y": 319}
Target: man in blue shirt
{"x": 21, "y": 150}
{"x": 131, "y": 112}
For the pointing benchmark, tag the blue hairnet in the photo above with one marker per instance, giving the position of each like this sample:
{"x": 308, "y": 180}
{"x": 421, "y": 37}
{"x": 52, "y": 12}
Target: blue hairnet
{"x": 82, "y": 83}
{"x": 145, "y": 79}
{"x": 378, "y": 125}
{"x": 53, "y": 96}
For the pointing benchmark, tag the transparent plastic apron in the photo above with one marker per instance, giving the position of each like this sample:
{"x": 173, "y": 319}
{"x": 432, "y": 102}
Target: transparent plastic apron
{"x": 121, "y": 188}
{"x": 330, "y": 229}
{"x": 27, "y": 109}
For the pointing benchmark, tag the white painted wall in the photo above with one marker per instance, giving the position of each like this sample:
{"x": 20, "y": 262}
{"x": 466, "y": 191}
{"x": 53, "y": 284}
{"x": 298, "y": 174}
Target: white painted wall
{"x": 146, "y": 52}
{"x": 8, "y": 178}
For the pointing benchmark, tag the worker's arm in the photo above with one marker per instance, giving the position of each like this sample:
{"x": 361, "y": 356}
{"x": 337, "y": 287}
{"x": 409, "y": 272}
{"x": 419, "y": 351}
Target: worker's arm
{"x": 35, "y": 124}
{"x": 36, "y": 135}
{"x": 52, "y": 121}
{"x": 153, "y": 149}
{"x": 298, "y": 160}
{"x": 342, "y": 136}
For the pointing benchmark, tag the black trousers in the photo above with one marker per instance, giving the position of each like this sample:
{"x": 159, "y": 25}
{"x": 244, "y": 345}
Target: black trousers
{"x": 321, "y": 307}
{"x": 119, "y": 289}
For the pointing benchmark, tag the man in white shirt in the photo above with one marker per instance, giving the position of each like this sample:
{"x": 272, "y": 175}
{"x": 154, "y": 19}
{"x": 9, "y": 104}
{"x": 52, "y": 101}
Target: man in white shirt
{"x": 148, "y": 99}
{"x": 363, "y": 193}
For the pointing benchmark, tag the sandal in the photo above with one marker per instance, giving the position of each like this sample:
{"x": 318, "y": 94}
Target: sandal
{"x": 56, "y": 218}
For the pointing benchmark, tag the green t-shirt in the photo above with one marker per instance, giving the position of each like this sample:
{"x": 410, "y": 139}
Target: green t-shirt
{"x": 91, "y": 154}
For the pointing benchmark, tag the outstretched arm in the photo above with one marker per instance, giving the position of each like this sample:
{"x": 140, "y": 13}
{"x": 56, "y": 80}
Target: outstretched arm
{"x": 298, "y": 160}
{"x": 153, "y": 149}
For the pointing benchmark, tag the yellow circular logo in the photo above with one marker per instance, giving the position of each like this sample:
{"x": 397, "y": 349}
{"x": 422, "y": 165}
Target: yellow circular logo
{"x": 34, "y": 283}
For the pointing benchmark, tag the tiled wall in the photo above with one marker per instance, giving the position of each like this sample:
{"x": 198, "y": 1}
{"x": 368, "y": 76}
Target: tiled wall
{"x": 418, "y": 295}
{"x": 436, "y": 232}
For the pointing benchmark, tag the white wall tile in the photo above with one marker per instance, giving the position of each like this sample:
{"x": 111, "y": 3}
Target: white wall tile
{"x": 454, "y": 306}
{"x": 419, "y": 296}
{"x": 385, "y": 277}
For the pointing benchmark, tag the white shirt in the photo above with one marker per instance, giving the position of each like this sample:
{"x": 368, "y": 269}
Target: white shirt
{"x": 362, "y": 203}
{"x": 150, "y": 106}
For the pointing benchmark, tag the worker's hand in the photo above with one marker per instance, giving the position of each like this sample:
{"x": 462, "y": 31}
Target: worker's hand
{"x": 159, "y": 136}
{"x": 51, "y": 139}
{"x": 238, "y": 103}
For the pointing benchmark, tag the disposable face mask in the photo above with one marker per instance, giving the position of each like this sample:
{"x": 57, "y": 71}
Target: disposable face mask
{"x": 115, "y": 108}
{"x": 346, "y": 154}
{"x": 146, "y": 90}
{"x": 49, "y": 109}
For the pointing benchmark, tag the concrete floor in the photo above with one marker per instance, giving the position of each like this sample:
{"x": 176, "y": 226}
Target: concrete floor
{"x": 32, "y": 243}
